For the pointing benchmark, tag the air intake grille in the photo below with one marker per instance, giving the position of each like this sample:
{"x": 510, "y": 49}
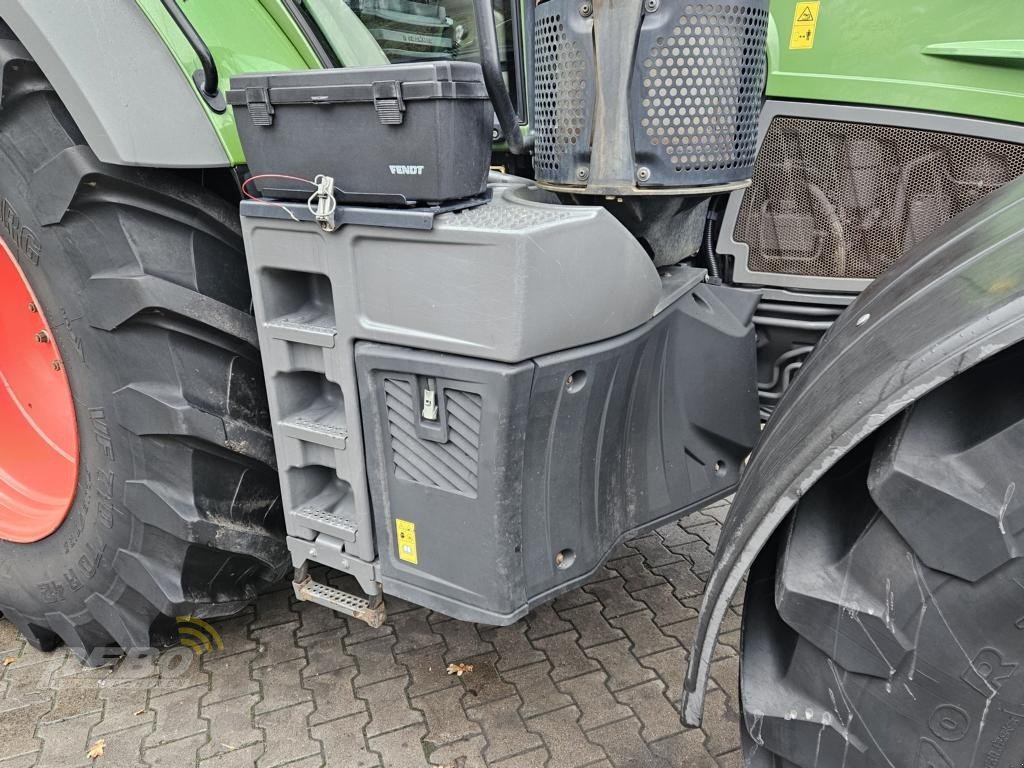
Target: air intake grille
{"x": 845, "y": 199}
{"x": 560, "y": 95}
{"x": 702, "y": 87}
{"x": 450, "y": 466}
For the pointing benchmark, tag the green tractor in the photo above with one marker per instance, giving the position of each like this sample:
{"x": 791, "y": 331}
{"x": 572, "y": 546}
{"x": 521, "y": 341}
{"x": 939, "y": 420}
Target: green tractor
{"x": 724, "y": 248}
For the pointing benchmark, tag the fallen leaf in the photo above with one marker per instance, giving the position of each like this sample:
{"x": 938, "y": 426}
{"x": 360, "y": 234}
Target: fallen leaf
{"x": 8, "y": 660}
{"x": 459, "y": 669}
{"x": 97, "y": 749}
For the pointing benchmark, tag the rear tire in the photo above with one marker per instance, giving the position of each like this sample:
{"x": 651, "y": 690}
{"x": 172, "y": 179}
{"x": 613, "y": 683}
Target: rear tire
{"x": 142, "y": 277}
{"x": 889, "y": 628}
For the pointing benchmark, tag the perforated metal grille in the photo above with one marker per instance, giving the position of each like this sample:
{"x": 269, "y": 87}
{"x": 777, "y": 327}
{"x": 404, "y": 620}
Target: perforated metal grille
{"x": 702, "y": 87}
{"x": 845, "y": 199}
{"x": 451, "y": 466}
{"x": 560, "y": 94}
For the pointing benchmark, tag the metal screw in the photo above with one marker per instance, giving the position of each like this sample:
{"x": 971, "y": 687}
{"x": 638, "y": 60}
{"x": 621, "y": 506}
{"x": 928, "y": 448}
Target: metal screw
{"x": 643, "y": 173}
{"x": 586, "y": 9}
{"x": 32, "y": 307}
{"x": 583, "y": 173}
{"x": 651, "y": 5}
{"x": 56, "y": 365}
{"x": 42, "y": 337}
{"x": 568, "y": 381}
{"x": 495, "y": 134}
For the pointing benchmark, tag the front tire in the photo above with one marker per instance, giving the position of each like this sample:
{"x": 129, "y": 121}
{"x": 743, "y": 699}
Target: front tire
{"x": 142, "y": 278}
{"x": 889, "y": 628}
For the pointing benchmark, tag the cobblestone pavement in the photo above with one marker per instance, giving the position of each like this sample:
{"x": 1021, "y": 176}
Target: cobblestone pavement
{"x": 593, "y": 679}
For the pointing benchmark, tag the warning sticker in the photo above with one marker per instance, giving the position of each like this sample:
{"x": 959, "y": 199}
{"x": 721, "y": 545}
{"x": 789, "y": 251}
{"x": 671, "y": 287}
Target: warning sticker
{"x": 805, "y": 20}
{"x": 406, "y": 540}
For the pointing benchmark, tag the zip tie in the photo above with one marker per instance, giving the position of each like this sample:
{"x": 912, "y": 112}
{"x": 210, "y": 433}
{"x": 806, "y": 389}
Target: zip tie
{"x": 325, "y": 204}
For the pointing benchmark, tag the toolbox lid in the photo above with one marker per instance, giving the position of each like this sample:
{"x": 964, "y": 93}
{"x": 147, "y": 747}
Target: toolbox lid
{"x": 408, "y": 82}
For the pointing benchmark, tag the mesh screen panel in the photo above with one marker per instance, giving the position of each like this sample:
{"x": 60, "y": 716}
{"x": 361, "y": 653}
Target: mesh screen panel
{"x": 560, "y": 92}
{"x": 844, "y": 199}
{"x": 702, "y": 83}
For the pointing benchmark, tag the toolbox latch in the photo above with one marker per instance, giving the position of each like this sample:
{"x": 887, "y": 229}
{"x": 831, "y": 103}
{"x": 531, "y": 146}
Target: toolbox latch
{"x": 257, "y": 100}
{"x": 387, "y": 100}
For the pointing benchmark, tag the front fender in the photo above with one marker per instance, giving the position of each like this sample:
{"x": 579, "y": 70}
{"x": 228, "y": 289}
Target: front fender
{"x": 955, "y": 300}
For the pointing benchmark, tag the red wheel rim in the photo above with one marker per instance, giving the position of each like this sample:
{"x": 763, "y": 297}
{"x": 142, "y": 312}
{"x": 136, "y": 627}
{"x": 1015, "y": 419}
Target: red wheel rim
{"x": 38, "y": 432}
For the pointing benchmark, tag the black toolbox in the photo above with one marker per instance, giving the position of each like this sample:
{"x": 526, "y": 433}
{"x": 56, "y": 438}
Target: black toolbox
{"x": 392, "y": 135}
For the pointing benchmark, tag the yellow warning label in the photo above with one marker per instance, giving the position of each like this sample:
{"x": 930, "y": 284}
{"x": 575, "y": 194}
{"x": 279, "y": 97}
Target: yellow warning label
{"x": 805, "y": 20}
{"x": 406, "y": 540}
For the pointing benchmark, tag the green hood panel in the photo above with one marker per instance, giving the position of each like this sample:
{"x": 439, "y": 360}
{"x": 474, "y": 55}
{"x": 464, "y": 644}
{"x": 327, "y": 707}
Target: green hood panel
{"x": 931, "y": 55}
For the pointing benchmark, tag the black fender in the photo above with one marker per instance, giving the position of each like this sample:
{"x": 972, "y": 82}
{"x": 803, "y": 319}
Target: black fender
{"x": 954, "y": 300}
{"x": 115, "y": 75}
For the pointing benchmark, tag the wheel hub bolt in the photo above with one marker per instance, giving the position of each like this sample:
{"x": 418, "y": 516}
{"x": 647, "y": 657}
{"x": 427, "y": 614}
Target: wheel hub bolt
{"x": 42, "y": 337}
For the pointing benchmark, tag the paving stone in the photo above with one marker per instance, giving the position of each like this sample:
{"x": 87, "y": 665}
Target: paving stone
{"x": 245, "y": 757}
{"x": 591, "y": 694}
{"x": 174, "y": 754}
{"x": 274, "y": 608}
{"x": 652, "y": 548}
{"x": 325, "y": 653}
{"x": 534, "y": 758}
{"x": 658, "y": 717}
{"x": 567, "y": 658}
{"x": 671, "y": 668}
{"x": 123, "y": 748}
{"x": 537, "y": 690}
{"x": 543, "y": 621}
{"x": 467, "y": 753}
{"x": 613, "y": 597}
{"x": 564, "y": 739}
{"x": 634, "y": 572}
{"x": 463, "y": 640}
{"x": 404, "y": 748}
{"x": 684, "y": 580}
{"x": 65, "y": 743}
{"x": 389, "y": 706}
{"x": 645, "y": 637}
{"x": 17, "y": 727}
{"x": 591, "y": 624}
{"x": 484, "y": 684}
{"x": 662, "y": 603}
{"x": 446, "y": 719}
{"x": 624, "y": 747}
{"x": 708, "y": 532}
{"x": 277, "y": 685}
{"x": 376, "y": 661}
{"x": 593, "y": 679}
{"x": 286, "y": 735}
{"x": 122, "y": 705}
{"x": 622, "y": 667}
{"x": 684, "y": 750}
{"x": 514, "y": 650}
{"x": 413, "y": 630}
{"x": 333, "y": 695}
{"x": 572, "y": 599}
{"x": 503, "y": 728}
{"x": 674, "y": 535}
{"x": 177, "y": 716}
{"x": 344, "y": 743}
{"x": 229, "y": 676}
{"x": 697, "y": 552}
{"x": 230, "y": 725}
{"x": 427, "y": 668}
{"x": 721, "y": 724}
{"x": 276, "y": 644}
